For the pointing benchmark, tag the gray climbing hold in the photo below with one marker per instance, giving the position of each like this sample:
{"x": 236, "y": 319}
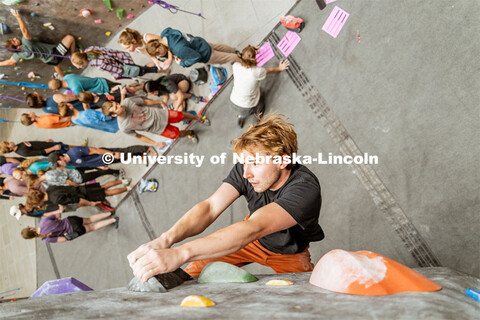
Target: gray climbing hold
{"x": 160, "y": 282}
{"x": 152, "y": 285}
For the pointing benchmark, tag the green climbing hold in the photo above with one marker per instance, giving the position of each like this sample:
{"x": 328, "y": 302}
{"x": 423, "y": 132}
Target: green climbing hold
{"x": 120, "y": 13}
{"x": 109, "y": 4}
{"x": 16, "y": 68}
{"x": 221, "y": 272}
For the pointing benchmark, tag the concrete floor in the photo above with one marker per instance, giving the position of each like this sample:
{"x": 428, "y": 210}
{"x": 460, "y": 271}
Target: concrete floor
{"x": 404, "y": 93}
{"x": 255, "y": 300}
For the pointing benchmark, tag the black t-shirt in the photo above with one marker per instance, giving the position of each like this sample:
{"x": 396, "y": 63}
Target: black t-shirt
{"x": 102, "y": 98}
{"x": 42, "y": 209}
{"x": 63, "y": 195}
{"x": 166, "y": 85}
{"x": 299, "y": 196}
{"x": 33, "y": 148}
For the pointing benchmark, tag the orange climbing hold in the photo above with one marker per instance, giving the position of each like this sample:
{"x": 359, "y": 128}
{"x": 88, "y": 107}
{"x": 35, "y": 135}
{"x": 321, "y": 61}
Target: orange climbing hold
{"x": 367, "y": 273}
{"x": 196, "y": 301}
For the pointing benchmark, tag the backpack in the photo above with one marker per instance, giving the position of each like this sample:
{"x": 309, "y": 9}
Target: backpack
{"x": 4, "y": 29}
{"x": 292, "y": 23}
{"x": 219, "y": 75}
{"x": 199, "y": 76}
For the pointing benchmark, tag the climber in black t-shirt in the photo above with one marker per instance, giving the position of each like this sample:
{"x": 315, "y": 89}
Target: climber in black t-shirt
{"x": 284, "y": 203}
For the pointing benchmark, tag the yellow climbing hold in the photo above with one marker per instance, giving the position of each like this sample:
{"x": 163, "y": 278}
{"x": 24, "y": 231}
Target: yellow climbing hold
{"x": 79, "y": 38}
{"x": 279, "y": 283}
{"x": 196, "y": 301}
{"x": 108, "y": 33}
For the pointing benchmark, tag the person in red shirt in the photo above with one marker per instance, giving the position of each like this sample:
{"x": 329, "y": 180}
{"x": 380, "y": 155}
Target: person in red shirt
{"x": 47, "y": 121}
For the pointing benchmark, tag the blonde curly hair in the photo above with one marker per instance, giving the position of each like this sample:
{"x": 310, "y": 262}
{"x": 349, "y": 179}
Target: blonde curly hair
{"x": 273, "y": 135}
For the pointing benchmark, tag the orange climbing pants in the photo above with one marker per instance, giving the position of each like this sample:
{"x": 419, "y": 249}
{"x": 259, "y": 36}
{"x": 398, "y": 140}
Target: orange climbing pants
{"x": 255, "y": 252}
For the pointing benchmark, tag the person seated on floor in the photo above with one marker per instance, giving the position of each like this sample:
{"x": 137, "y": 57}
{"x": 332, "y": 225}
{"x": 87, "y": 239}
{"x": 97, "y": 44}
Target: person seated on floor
{"x": 10, "y": 186}
{"x": 118, "y": 63}
{"x": 93, "y": 194}
{"x": 33, "y": 49}
{"x": 43, "y": 210}
{"x": 132, "y": 41}
{"x": 69, "y": 177}
{"x": 31, "y": 166}
{"x": 5, "y": 193}
{"x": 4, "y": 159}
{"x": 19, "y": 173}
{"x": 187, "y": 52}
{"x": 246, "y": 98}
{"x": 88, "y": 118}
{"x": 47, "y": 121}
{"x": 137, "y": 114}
{"x": 175, "y": 87}
{"x": 284, "y": 203}
{"x": 89, "y": 157}
{"x": 78, "y": 83}
{"x": 34, "y": 148}
{"x": 8, "y": 168}
{"x": 50, "y": 105}
{"x": 54, "y": 229}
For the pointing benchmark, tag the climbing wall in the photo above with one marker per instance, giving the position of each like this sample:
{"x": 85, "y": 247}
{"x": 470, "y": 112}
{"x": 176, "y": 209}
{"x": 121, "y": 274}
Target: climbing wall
{"x": 64, "y": 17}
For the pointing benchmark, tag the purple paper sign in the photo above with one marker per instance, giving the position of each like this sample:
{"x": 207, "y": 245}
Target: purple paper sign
{"x": 288, "y": 43}
{"x": 335, "y": 22}
{"x": 264, "y": 54}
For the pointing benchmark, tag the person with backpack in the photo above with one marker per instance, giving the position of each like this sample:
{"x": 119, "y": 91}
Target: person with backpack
{"x": 246, "y": 98}
{"x": 191, "y": 50}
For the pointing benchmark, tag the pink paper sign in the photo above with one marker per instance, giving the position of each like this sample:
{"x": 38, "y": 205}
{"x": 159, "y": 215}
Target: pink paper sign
{"x": 335, "y": 22}
{"x": 329, "y": 1}
{"x": 264, "y": 54}
{"x": 288, "y": 43}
